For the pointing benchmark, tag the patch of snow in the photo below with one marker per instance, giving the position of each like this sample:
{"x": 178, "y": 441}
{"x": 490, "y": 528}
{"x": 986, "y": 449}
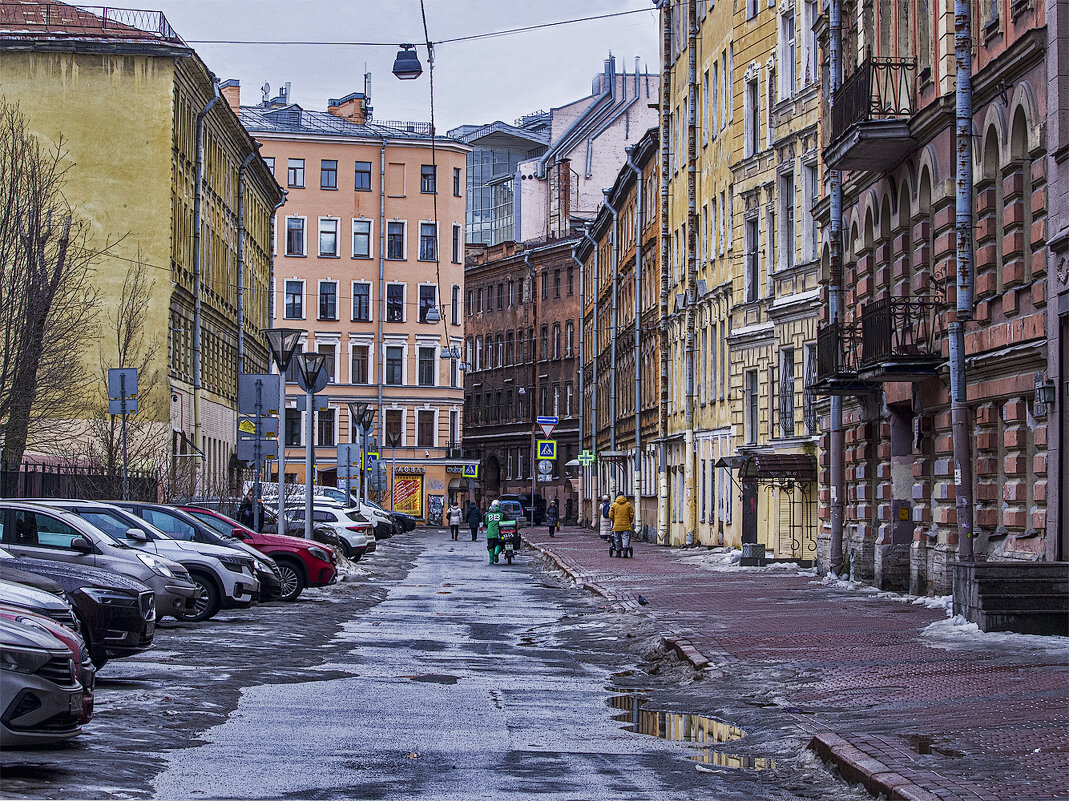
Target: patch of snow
{"x": 724, "y": 560}
{"x": 958, "y": 633}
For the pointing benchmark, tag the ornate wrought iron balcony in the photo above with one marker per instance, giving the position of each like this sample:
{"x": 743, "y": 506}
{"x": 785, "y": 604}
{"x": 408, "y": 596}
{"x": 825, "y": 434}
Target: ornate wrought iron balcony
{"x": 870, "y": 118}
{"x": 838, "y": 361}
{"x": 901, "y": 340}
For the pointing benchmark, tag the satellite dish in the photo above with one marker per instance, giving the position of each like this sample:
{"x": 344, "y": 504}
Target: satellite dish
{"x": 266, "y": 89}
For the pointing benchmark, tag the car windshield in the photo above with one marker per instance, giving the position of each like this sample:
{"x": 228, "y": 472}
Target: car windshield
{"x": 218, "y": 524}
{"x": 115, "y": 525}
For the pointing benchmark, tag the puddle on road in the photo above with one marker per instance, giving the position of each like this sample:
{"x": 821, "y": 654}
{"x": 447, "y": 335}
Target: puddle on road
{"x": 697, "y": 730}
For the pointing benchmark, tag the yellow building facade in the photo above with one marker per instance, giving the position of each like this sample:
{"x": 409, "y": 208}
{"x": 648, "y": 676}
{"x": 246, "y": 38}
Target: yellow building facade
{"x": 127, "y": 104}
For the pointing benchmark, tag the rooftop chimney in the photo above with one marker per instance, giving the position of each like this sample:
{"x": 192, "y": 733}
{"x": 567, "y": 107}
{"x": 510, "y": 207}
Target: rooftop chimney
{"x": 231, "y": 90}
{"x": 352, "y": 107}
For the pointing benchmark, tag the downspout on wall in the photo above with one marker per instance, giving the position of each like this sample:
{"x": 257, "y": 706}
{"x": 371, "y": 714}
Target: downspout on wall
{"x": 630, "y": 151}
{"x": 662, "y": 323}
{"x": 614, "y": 266}
{"x": 595, "y": 358}
{"x": 534, "y": 374}
{"x": 241, "y": 260}
{"x": 690, "y": 493}
{"x": 836, "y": 445}
{"x": 582, "y": 364}
{"x": 382, "y": 308}
{"x": 198, "y": 194}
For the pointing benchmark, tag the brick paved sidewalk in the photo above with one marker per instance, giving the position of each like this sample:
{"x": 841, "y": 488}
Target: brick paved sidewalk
{"x": 973, "y": 719}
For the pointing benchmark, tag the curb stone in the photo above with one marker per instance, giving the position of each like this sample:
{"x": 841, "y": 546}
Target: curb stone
{"x": 857, "y": 766}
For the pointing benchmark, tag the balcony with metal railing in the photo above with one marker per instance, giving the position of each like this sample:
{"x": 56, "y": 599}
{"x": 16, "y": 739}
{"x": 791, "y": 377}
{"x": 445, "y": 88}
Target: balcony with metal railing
{"x": 870, "y": 118}
{"x": 901, "y": 340}
{"x": 839, "y": 360}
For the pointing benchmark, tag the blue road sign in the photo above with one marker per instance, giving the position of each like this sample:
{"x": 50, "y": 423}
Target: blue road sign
{"x": 547, "y": 449}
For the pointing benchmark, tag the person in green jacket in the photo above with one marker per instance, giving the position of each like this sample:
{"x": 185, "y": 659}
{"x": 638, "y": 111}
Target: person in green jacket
{"x": 492, "y": 521}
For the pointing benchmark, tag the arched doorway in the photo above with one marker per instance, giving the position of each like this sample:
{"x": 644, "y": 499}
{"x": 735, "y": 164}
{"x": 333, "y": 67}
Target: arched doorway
{"x": 491, "y": 483}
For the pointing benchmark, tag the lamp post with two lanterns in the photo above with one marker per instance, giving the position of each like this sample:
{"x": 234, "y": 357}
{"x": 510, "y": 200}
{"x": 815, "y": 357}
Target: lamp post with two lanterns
{"x": 282, "y": 342}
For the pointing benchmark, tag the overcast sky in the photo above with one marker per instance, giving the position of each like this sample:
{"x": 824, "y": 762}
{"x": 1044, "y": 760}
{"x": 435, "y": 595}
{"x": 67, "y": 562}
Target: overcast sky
{"x": 475, "y": 82}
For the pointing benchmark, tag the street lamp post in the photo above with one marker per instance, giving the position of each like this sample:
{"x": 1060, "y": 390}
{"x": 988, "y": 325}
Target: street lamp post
{"x": 357, "y": 410}
{"x": 365, "y": 425}
{"x": 282, "y": 342}
{"x": 310, "y": 365}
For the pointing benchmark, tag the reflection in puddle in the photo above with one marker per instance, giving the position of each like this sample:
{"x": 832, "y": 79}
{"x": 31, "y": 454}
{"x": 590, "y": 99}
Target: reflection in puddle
{"x": 685, "y": 728}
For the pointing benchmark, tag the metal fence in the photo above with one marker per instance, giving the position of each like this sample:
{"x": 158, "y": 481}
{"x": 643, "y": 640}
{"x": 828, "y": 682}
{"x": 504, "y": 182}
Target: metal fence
{"x": 85, "y": 483}
{"x": 84, "y": 20}
{"x": 880, "y": 88}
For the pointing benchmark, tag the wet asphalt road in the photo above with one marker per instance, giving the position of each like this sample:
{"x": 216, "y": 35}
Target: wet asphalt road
{"x": 428, "y": 675}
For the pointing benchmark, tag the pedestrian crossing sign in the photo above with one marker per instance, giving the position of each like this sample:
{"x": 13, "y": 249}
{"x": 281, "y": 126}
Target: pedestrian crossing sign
{"x": 547, "y": 449}
{"x": 470, "y": 470}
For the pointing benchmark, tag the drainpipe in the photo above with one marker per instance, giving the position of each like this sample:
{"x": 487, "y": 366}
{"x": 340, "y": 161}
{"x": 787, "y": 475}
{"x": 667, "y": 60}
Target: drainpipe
{"x": 241, "y": 260}
{"x": 382, "y": 312}
{"x": 614, "y": 266}
{"x": 630, "y": 151}
{"x": 281, "y": 478}
{"x": 690, "y": 495}
{"x": 594, "y": 514}
{"x": 582, "y": 363}
{"x": 959, "y": 406}
{"x": 534, "y": 378}
{"x": 198, "y": 192}
{"x": 662, "y": 323}
{"x": 835, "y": 296}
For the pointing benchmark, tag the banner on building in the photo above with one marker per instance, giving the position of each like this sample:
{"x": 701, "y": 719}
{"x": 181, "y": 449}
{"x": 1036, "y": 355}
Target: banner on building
{"x": 408, "y": 495}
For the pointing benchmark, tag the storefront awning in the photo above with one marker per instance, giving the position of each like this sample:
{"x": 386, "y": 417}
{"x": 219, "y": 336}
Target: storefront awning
{"x": 772, "y": 466}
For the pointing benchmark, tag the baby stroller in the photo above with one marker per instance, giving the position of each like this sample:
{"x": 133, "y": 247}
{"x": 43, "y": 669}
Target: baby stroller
{"x": 620, "y": 544}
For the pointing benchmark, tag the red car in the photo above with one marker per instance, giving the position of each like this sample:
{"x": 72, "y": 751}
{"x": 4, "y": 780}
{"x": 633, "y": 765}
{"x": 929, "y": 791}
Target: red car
{"x": 301, "y": 563}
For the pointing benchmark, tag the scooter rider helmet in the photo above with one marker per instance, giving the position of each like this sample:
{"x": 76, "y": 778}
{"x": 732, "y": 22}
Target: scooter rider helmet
{"x": 495, "y": 505}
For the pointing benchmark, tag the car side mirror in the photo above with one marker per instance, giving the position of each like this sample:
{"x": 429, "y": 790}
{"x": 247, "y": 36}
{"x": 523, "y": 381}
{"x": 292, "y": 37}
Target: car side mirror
{"x": 81, "y": 545}
{"x": 239, "y": 533}
{"x": 136, "y": 534}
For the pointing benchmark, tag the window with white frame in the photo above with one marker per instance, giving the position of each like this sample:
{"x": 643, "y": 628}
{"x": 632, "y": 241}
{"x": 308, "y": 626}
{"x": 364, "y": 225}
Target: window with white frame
{"x": 458, "y": 244}
{"x": 810, "y": 233}
{"x": 788, "y": 55}
{"x": 294, "y": 308}
{"x": 363, "y": 176}
{"x": 395, "y": 303}
{"x": 750, "y": 406}
{"x": 395, "y": 428}
{"x": 361, "y": 302}
{"x": 809, "y": 42}
{"x": 714, "y": 105}
{"x": 361, "y": 239}
{"x": 295, "y": 173}
{"x": 705, "y": 108}
{"x": 425, "y": 366}
{"x": 428, "y": 299}
{"x": 753, "y": 117}
{"x": 395, "y": 365}
{"x": 325, "y": 428}
{"x": 788, "y": 232}
{"x": 428, "y": 241}
{"x": 295, "y": 236}
{"x": 425, "y": 428}
{"x": 329, "y": 352}
{"x": 786, "y": 388}
{"x": 328, "y": 237}
{"x": 395, "y": 240}
{"x": 753, "y": 259}
{"x": 328, "y": 300}
{"x": 360, "y": 365}
{"x": 454, "y": 306}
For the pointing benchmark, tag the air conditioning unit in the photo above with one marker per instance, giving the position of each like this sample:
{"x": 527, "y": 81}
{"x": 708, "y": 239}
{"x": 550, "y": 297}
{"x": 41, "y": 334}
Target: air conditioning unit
{"x": 455, "y": 453}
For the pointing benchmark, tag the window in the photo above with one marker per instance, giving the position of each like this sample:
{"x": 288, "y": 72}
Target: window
{"x": 510, "y": 353}
{"x": 328, "y": 237}
{"x": 543, "y": 406}
{"x": 545, "y": 286}
{"x": 753, "y": 118}
{"x": 428, "y": 179}
{"x": 458, "y": 245}
{"x": 556, "y": 340}
{"x": 569, "y": 399}
{"x": 294, "y": 300}
{"x": 810, "y": 366}
{"x": 809, "y": 43}
{"x": 705, "y": 107}
{"x": 395, "y": 303}
{"x": 363, "y": 176}
{"x": 328, "y": 174}
{"x": 394, "y": 365}
{"x": 328, "y": 300}
{"x": 361, "y": 302}
{"x": 454, "y": 307}
{"x": 425, "y": 428}
{"x": 293, "y": 428}
{"x": 428, "y": 299}
{"x": 361, "y": 239}
{"x": 786, "y": 216}
{"x": 500, "y": 296}
{"x": 753, "y": 263}
{"x": 425, "y": 367}
{"x": 395, "y": 240}
{"x": 270, "y": 162}
{"x": 499, "y": 343}
{"x": 751, "y": 407}
{"x": 291, "y": 371}
{"x": 811, "y": 235}
{"x": 512, "y": 293}
{"x": 571, "y": 281}
{"x": 325, "y": 427}
{"x": 714, "y": 104}
{"x": 330, "y": 354}
{"x": 545, "y": 342}
{"x": 359, "y": 373}
{"x": 295, "y": 236}
{"x": 556, "y": 283}
{"x": 456, "y": 182}
{"x": 428, "y": 241}
{"x": 454, "y": 374}
{"x": 751, "y": 9}
{"x": 569, "y": 329}
{"x": 478, "y": 353}
{"x": 395, "y": 437}
{"x": 789, "y": 67}
{"x": 786, "y": 389}
{"x": 295, "y": 174}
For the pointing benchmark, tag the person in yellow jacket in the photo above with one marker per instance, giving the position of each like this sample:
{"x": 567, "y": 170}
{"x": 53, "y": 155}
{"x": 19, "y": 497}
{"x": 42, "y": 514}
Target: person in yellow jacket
{"x": 622, "y": 520}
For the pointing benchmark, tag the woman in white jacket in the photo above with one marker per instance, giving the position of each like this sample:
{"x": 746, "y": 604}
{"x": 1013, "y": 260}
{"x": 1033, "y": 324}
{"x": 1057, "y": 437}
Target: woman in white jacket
{"x": 454, "y": 516}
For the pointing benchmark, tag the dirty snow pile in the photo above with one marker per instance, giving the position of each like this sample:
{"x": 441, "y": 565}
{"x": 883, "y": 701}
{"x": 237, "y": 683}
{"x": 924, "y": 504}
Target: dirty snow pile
{"x": 957, "y": 632}
{"x": 725, "y": 560}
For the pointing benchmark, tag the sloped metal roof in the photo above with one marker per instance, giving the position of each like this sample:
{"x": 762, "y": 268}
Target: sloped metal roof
{"x": 293, "y": 119}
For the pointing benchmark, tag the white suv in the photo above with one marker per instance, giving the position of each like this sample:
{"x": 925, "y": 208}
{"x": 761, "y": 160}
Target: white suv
{"x": 353, "y": 530}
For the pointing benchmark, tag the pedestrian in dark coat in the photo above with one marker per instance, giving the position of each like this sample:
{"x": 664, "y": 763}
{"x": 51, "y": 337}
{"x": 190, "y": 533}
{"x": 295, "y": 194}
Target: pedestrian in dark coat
{"x": 475, "y": 519}
{"x": 246, "y": 515}
{"x": 552, "y": 517}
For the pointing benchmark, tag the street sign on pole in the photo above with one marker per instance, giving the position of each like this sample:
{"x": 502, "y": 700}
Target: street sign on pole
{"x": 122, "y": 399}
{"x": 547, "y": 449}
{"x": 545, "y": 466}
{"x": 470, "y": 470}
{"x": 269, "y": 393}
{"x": 547, "y": 424}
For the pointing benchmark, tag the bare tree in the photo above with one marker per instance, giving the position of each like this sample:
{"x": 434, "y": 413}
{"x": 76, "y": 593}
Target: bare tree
{"x": 48, "y": 313}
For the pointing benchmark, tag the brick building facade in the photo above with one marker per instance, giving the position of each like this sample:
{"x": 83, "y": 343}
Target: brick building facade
{"x": 521, "y": 311}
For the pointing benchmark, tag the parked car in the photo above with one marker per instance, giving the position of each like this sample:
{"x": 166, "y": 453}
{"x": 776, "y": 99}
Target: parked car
{"x": 45, "y": 532}
{"x": 219, "y": 572}
{"x": 41, "y": 699}
{"x": 353, "y": 530}
{"x": 513, "y": 511}
{"x": 408, "y": 523}
{"x": 41, "y": 602}
{"x": 116, "y": 614}
{"x": 75, "y": 644}
{"x": 300, "y": 563}
{"x": 181, "y": 526}
{"x": 383, "y": 524}
{"x": 537, "y": 515}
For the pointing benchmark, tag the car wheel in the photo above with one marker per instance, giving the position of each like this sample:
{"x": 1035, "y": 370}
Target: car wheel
{"x": 346, "y": 551}
{"x": 292, "y": 579}
{"x": 209, "y": 602}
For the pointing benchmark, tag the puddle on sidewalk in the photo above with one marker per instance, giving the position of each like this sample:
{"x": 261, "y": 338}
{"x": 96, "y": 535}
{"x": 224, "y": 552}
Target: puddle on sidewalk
{"x": 698, "y": 730}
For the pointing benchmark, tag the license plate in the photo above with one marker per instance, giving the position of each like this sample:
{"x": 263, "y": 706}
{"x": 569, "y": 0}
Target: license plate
{"x": 508, "y": 546}
{"x": 150, "y": 627}
{"x": 76, "y": 703}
